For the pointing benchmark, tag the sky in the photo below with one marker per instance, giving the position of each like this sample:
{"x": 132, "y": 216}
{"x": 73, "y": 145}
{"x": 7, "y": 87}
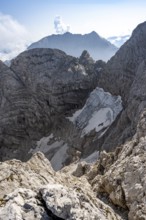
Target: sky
{"x": 25, "y": 21}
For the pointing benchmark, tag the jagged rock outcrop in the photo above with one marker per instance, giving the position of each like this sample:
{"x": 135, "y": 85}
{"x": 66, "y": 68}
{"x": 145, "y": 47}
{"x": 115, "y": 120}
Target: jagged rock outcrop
{"x": 121, "y": 69}
{"x": 22, "y": 204}
{"x": 123, "y": 177}
{"x": 43, "y": 194}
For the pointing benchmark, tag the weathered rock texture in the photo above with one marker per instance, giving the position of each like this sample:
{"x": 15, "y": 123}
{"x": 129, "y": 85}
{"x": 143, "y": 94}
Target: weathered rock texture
{"x": 43, "y": 194}
{"x": 39, "y": 90}
{"x": 123, "y": 176}
{"x": 124, "y": 75}
{"x": 40, "y": 85}
{"x": 121, "y": 69}
{"x": 76, "y": 138}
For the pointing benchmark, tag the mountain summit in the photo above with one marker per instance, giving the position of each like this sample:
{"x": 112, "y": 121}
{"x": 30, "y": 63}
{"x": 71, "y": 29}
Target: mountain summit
{"x": 74, "y": 44}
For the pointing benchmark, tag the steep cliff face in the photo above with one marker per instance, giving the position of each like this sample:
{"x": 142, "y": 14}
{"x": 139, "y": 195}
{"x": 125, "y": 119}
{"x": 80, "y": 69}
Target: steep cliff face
{"x": 40, "y": 85}
{"x": 55, "y": 78}
{"x": 121, "y": 77}
{"x": 47, "y": 88}
{"x": 121, "y": 68}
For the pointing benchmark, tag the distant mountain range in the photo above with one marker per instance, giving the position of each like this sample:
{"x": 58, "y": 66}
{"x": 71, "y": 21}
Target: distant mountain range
{"x": 74, "y": 44}
{"x": 118, "y": 41}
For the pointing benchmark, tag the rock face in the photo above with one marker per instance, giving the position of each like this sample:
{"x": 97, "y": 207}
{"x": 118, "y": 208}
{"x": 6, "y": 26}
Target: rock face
{"x": 123, "y": 178}
{"x": 40, "y": 85}
{"x": 46, "y": 95}
{"x": 74, "y": 44}
{"x": 123, "y": 75}
{"x": 121, "y": 68}
{"x": 45, "y": 87}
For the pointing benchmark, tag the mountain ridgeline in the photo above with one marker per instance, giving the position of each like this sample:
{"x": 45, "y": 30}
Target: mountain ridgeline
{"x": 74, "y": 44}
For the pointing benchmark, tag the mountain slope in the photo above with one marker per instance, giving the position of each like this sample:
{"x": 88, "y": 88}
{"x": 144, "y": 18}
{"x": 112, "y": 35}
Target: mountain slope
{"x": 40, "y": 85}
{"x": 118, "y": 77}
{"x": 74, "y": 44}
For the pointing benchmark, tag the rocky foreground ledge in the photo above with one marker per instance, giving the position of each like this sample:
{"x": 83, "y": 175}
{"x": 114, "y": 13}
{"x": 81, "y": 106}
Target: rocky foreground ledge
{"x": 111, "y": 189}
{"x": 32, "y": 190}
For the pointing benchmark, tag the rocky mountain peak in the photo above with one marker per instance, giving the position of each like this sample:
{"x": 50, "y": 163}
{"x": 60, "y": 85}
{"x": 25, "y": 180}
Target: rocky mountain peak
{"x": 85, "y": 58}
{"x": 140, "y": 30}
{"x": 75, "y": 44}
{"x": 94, "y": 34}
{"x": 123, "y": 66}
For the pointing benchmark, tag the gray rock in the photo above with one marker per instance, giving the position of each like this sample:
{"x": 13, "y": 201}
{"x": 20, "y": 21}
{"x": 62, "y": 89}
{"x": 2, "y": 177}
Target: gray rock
{"x": 23, "y": 204}
{"x": 32, "y": 190}
{"x": 40, "y": 85}
{"x": 123, "y": 76}
{"x": 71, "y": 204}
{"x": 121, "y": 68}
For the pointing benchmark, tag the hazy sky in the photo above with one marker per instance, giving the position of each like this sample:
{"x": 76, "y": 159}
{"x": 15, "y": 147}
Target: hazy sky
{"x": 24, "y": 21}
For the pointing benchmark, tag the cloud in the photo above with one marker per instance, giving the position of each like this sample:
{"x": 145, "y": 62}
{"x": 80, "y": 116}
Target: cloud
{"x": 13, "y": 37}
{"x": 59, "y": 26}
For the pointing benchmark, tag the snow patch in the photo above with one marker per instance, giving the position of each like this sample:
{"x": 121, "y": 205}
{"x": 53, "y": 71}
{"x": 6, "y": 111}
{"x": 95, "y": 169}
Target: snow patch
{"x": 99, "y": 120}
{"x": 99, "y": 112}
